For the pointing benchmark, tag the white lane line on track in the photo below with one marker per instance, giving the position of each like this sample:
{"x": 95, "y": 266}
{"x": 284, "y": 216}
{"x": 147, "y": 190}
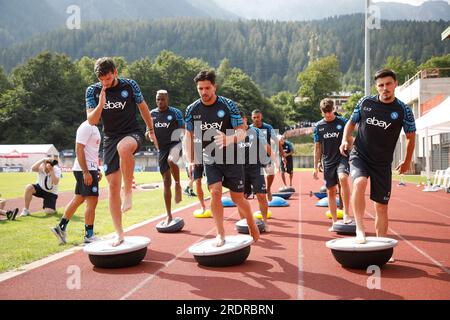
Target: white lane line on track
{"x": 167, "y": 264}
{"x": 424, "y": 208}
{"x": 300, "y": 285}
{"x": 423, "y": 253}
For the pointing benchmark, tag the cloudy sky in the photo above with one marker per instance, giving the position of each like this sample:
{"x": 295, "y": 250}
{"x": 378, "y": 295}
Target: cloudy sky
{"x": 413, "y": 2}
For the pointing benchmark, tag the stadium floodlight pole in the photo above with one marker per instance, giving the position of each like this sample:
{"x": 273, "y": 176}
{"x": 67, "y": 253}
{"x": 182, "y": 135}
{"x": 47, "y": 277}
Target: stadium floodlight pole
{"x": 367, "y": 76}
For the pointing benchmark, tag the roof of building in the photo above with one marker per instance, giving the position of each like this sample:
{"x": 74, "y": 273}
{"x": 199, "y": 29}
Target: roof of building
{"x": 28, "y": 148}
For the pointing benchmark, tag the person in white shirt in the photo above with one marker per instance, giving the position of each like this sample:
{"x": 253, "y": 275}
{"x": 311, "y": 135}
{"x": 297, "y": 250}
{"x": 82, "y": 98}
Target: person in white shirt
{"x": 46, "y": 187}
{"x": 87, "y": 175}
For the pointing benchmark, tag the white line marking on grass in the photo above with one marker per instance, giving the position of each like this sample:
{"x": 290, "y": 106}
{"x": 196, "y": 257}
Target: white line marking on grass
{"x": 426, "y": 255}
{"x": 300, "y": 285}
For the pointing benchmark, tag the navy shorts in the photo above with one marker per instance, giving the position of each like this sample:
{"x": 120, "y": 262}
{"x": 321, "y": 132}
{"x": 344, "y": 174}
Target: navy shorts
{"x": 289, "y": 165}
{"x": 380, "y": 178}
{"x": 254, "y": 180}
{"x": 84, "y": 190}
{"x": 331, "y": 174}
{"x": 231, "y": 176}
{"x": 49, "y": 198}
{"x": 111, "y": 160}
{"x": 197, "y": 172}
{"x": 163, "y": 156}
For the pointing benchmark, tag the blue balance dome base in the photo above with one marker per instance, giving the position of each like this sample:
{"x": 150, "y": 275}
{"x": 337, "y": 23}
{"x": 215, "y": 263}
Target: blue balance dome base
{"x": 284, "y": 195}
{"x": 278, "y": 202}
{"x": 324, "y": 202}
{"x": 320, "y": 195}
{"x": 227, "y": 202}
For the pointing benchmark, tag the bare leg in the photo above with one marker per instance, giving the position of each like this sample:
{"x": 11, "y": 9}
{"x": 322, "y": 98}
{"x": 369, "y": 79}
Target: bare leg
{"x": 176, "y": 177}
{"x": 270, "y": 179}
{"x": 331, "y": 192}
{"x": 291, "y": 176}
{"x": 244, "y": 208}
{"x": 283, "y": 178}
{"x": 217, "y": 211}
{"x": 126, "y": 148}
{"x": 359, "y": 207}
{"x": 263, "y": 207}
{"x": 345, "y": 195}
{"x": 381, "y": 219}
{"x": 73, "y": 206}
{"x": 168, "y": 195}
{"x": 89, "y": 213}
{"x": 200, "y": 193}
{"x": 29, "y": 191}
{"x": 114, "y": 181}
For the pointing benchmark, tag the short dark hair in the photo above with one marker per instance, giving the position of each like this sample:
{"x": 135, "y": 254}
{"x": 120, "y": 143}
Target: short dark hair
{"x": 326, "y": 105}
{"x": 103, "y": 66}
{"x": 383, "y": 73}
{"x": 206, "y": 75}
{"x": 256, "y": 111}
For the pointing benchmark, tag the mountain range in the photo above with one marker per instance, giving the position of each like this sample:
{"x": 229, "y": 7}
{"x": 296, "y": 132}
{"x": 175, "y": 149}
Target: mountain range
{"x": 22, "y": 19}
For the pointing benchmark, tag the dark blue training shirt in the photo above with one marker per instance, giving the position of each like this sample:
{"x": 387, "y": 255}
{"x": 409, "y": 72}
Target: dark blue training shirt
{"x": 329, "y": 135}
{"x": 119, "y": 112}
{"x": 205, "y": 121}
{"x": 165, "y": 123}
{"x": 379, "y": 126}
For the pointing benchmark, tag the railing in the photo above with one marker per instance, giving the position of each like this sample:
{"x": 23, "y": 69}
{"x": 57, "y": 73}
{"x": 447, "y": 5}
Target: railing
{"x": 427, "y": 74}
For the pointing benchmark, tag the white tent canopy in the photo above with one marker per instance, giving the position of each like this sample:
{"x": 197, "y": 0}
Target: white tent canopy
{"x": 437, "y": 120}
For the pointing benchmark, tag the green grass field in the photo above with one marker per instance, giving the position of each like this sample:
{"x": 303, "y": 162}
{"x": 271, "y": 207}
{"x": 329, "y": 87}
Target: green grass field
{"x": 12, "y": 185}
{"x": 29, "y": 238}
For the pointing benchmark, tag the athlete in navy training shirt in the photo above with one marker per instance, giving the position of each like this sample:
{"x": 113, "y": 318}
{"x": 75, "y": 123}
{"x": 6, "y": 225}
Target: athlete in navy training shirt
{"x": 214, "y": 126}
{"x": 115, "y": 100}
{"x": 286, "y": 160}
{"x": 327, "y": 139}
{"x": 169, "y": 127}
{"x": 269, "y": 133}
{"x": 380, "y": 119}
{"x": 254, "y": 149}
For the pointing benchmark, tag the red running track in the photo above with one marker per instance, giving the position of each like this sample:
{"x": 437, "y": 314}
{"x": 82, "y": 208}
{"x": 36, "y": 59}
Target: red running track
{"x": 291, "y": 262}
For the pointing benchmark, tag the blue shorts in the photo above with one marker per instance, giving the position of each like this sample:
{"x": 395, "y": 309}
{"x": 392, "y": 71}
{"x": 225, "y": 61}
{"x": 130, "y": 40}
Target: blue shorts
{"x": 380, "y": 178}
{"x": 230, "y": 175}
{"x": 254, "y": 180}
{"x": 331, "y": 173}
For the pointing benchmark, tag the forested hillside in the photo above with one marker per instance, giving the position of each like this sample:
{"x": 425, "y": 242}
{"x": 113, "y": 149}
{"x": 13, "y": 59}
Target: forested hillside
{"x": 272, "y": 53}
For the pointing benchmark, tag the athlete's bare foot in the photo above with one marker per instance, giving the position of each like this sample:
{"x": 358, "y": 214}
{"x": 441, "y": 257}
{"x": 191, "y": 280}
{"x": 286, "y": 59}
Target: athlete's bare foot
{"x": 219, "y": 241}
{"x": 178, "y": 192}
{"x": 118, "y": 241}
{"x": 127, "y": 201}
{"x": 360, "y": 237}
{"x": 347, "y": 219}
{"x": 168, "y": 220}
